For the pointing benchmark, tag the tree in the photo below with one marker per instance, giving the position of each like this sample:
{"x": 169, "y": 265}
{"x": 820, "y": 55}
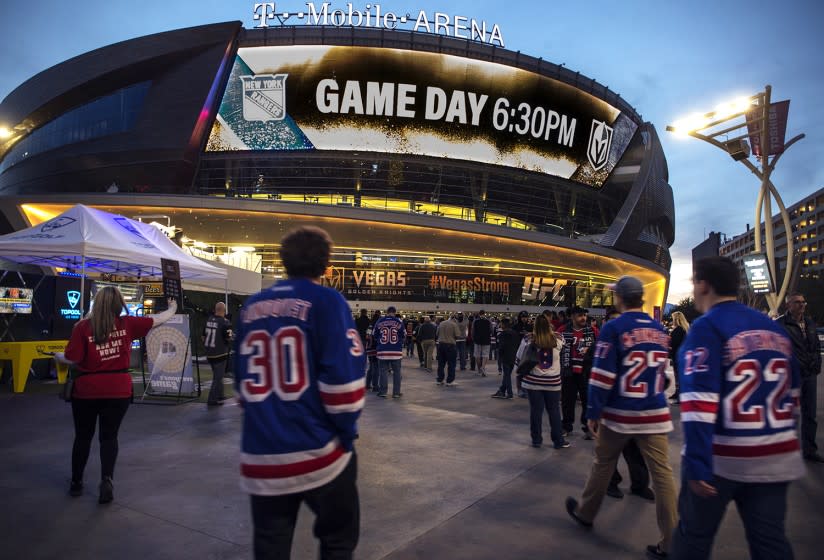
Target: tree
{"x": 687, "y": 307}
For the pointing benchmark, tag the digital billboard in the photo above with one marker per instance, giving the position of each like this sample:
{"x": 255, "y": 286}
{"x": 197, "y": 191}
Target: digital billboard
{"x": 757, "y": 270}
{"x": 409, "y": 102}
{"x": 394, "y": 284}
{"x": 16, "y": 300}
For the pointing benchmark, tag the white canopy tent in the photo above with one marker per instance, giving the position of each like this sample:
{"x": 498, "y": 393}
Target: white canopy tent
{"x": 83, "y": 239}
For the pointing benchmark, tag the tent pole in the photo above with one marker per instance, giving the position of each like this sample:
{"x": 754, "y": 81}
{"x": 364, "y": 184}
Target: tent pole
{"x": 82, "y": 286}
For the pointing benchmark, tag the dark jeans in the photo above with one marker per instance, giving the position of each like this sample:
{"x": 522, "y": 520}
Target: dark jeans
{"x": 808, "y": 424}
{"x": 337, "y": 518}
{"x": 419, "y": 347}
{"x": 573, "y": 386}
{"x": 506, "y": 381}
{"x": 447, "y": 356}
{"x": 372, "y": 374}
{"x": 460, "y": 345}
{"x": 218, "y": 366}
{"x": 638, "y": 473}
{"x": 538, "y": 401}
{"x": 762, "y": 507}
{"x": 85, "y": 413}
{"x": 410, "y": 346}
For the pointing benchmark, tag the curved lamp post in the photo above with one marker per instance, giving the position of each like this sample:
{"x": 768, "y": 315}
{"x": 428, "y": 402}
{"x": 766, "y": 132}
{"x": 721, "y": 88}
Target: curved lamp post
{"x": 753, "y": 110}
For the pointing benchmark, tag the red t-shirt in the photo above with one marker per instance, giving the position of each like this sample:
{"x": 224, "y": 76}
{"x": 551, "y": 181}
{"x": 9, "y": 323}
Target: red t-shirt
{"x": 113, "y": 355}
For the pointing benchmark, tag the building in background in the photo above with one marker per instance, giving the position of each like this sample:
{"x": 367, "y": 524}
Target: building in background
{"x": 450, "y": 172}
{"x": 710, "y": 247}
{"x": 807, "y": 221}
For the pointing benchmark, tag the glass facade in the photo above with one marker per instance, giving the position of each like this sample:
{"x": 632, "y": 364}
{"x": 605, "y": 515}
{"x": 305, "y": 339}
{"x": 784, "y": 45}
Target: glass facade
{"x": 111, "y": 114}
{"x": 461, "y": 190}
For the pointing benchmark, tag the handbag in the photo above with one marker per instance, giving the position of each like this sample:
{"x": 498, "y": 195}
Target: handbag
{"x": 528, "y": 361}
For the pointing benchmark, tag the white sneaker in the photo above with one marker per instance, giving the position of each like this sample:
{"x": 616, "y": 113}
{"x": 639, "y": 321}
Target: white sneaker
{"x": 453, "y": 384}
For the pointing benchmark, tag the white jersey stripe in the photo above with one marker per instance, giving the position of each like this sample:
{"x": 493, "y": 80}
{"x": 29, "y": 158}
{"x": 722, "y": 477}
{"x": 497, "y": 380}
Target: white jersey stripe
{"x": 786, "y": 435}
{"x": 707, "y": 417}
{"x": 622, "y": 412}
{"x": 600, "y": 384}
{"x": 702, "y": 397}
{"x": 339, "y": 408}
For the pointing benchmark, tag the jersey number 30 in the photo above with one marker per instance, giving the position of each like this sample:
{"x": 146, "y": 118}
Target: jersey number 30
{"x": 277, "y": 363}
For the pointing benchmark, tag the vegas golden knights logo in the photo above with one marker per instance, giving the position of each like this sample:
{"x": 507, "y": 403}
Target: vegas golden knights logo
{"x": 333, "y": 278}
{"x": 600, "y": 141}
{"x": 264, "y": 97}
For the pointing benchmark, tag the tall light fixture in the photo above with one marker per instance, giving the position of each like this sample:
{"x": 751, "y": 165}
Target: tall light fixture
{"x": 766, "y": 123}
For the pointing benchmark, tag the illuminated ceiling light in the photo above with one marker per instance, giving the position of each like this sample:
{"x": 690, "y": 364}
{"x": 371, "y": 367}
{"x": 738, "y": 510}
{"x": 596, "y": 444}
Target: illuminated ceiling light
{"x": 242, "y": 249}
{"x": 5, "y": 132}
{"x": 201, "y": 245}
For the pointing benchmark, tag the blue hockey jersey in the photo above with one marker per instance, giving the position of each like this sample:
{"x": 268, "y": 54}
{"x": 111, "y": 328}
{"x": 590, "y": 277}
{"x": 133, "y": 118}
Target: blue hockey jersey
{"x": 300, "y": 376}
{"x": 389, "y": 335}
{"x": 739, "y": 391}
{"x": 626, "y": 386}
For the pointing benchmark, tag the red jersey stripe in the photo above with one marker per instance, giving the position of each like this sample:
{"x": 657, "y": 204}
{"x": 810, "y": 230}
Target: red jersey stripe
{"x": 291, "y": 469}
{"x": 699, "y": 406}
{"x": 332, "y": 399}
{"x": 755, "y": 450}
{"x": 636, "y": 419}
{"x": 602, "y": 378}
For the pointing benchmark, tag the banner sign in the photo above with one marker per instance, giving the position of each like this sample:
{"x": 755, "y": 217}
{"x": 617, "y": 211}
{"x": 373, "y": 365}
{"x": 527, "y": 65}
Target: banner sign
{"x": 170, "y": 358}
{"x": 757, "y": 270}
{"x": 776, "y": 129}
{"x": 369, "y": 99}
{"x": 365, "y": 284}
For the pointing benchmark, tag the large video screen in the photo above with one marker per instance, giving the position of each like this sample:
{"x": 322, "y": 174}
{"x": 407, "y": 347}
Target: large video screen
{"x": 409, "y": 102}
{"x": 16, "y": 300}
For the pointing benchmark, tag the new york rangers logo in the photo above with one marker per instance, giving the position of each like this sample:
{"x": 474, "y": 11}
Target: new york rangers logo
{"x": 600, "y": 141}
{"x": 74, "y": 298}
{"x": 264, "y": 97}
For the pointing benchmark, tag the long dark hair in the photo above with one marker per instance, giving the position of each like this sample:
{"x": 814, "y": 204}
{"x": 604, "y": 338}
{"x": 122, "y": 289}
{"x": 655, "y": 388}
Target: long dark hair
{"x": 108, "y": 305}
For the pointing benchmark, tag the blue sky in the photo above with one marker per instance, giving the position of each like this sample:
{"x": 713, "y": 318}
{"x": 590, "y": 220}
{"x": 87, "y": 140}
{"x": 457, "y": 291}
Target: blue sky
{"x": 666, "y": 58}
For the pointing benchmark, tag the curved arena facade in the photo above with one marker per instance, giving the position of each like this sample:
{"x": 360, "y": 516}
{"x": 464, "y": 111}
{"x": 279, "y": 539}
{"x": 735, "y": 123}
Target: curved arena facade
{"x": 448, "y": 172}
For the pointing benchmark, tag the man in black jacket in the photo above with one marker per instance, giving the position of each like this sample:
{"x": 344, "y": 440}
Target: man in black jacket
{"x": 481, "y": 339}
{"x": 807, "y": 350}
{"x": 508, "y": 342}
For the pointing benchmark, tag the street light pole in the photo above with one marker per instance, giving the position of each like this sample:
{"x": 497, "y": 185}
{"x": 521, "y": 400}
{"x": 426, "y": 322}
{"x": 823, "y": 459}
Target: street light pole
{"x": 738, "y": 149}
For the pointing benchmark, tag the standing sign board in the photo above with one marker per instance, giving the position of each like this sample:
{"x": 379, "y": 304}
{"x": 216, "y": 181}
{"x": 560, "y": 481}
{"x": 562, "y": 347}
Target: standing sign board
{"x": 171, "y": 279}
{"x": 170, "y": 358}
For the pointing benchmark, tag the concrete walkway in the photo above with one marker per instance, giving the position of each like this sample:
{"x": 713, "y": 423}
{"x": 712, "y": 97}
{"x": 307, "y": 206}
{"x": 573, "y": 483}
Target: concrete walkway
{"x": 444, "y": 473}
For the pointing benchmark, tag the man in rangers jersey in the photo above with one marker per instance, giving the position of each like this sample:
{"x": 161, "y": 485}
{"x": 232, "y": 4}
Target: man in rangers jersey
{"x": 389, "y": 335}
{"x": 300, "y": 368}
{"x": 626, "y": 401}
{"x": 739, "y": 393}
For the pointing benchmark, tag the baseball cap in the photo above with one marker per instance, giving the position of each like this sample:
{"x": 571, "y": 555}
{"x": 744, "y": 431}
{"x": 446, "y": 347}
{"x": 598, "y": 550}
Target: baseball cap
{"x": 391, "y": 309}
{"x": 577, "y": 310}
{"x": 627, "y": 286}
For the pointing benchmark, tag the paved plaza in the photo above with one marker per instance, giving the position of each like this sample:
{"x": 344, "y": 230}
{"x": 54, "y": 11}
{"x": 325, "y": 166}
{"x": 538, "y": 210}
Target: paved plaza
{"x": 444, "y": 473}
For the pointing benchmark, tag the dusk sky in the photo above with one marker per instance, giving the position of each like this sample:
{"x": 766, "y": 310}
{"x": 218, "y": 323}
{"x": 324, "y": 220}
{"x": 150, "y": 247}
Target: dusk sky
{"x": 666, "y": 58}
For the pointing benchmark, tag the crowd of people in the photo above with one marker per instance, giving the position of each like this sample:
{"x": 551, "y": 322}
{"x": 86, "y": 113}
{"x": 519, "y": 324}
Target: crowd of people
{"x": 304, "y": 366}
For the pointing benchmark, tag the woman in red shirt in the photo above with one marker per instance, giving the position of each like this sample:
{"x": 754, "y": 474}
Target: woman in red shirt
{"x": 100, "y": 349}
